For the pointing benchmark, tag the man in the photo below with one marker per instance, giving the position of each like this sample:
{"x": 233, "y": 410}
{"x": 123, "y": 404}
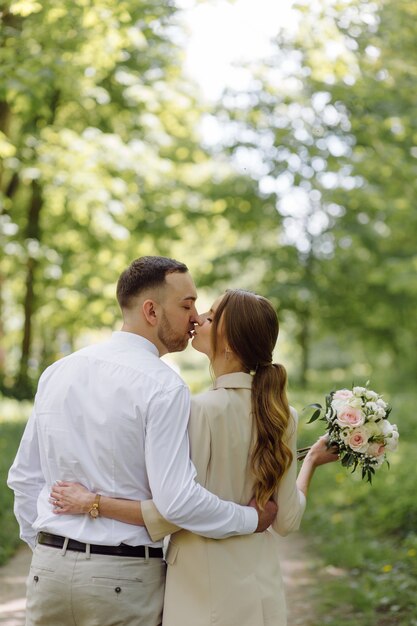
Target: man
{"x": 114, "y": 417}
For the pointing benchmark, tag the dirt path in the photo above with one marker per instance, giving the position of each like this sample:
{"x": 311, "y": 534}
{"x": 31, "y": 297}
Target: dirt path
{"x": 297, "y": 567}
{"x": 12, "y": 588}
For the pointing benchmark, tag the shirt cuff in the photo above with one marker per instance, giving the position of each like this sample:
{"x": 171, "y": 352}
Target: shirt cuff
{"x": 251, "y": 520}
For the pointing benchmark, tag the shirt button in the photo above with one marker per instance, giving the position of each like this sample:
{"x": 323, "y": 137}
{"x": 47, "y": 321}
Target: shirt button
{"x": 118, "y": 589}
{"x": 36, "y": 578}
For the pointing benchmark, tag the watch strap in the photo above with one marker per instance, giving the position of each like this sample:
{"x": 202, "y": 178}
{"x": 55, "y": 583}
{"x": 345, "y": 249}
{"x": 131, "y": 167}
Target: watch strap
{"x": 94, "y": 512}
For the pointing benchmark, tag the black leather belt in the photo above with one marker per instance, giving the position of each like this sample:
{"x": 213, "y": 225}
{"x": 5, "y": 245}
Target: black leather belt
{"x": 56, "y": 541}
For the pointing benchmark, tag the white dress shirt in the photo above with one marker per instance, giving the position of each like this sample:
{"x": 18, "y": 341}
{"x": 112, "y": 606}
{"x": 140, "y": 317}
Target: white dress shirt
{"x": 114, "y": 417}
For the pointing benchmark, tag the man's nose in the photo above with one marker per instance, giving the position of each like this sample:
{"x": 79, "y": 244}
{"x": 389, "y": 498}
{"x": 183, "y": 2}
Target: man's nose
{"x": 197, "y": 319}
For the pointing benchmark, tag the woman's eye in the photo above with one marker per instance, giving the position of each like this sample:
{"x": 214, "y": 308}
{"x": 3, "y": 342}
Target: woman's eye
{"x": 209, "y": 319}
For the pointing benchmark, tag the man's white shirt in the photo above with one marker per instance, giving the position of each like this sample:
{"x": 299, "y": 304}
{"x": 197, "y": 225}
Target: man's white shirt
{"x": 114, "y": 417}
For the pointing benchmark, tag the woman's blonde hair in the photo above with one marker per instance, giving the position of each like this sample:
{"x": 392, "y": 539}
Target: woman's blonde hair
{"x": 250, "y": 327}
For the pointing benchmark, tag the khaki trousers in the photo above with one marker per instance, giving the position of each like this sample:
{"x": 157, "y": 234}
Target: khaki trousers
{"x": 67, "y": 588}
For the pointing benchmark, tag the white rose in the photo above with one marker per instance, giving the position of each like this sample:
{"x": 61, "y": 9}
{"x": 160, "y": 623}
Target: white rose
{"x": 387, "y": 428}
{"x": 392, "y": 441}
{"x": 371, "y": 395}
{"x": 375, "y": 411}
{"x": 391, "y": 435}
{"x": 380, "y": 402}
{"x": 359, "y": 391}
{"x": 355, "y": 403}
{"x": 372, "y": 429}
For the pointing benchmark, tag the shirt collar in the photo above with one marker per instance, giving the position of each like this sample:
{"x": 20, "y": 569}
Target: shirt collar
{"x": 237, "y": 380}
{"x": 134, "y": 340}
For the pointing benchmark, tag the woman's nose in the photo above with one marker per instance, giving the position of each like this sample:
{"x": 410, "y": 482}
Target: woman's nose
{"x": 199, "y": 319}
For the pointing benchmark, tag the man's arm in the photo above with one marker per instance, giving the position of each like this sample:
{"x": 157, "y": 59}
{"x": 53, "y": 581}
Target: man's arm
{"x": 75, "y": 499}
{"x": 26, "y": 480}
{"x": 158, "y": 527}
{"x": 176, "y": 494}
{"x": 172, "y": 479}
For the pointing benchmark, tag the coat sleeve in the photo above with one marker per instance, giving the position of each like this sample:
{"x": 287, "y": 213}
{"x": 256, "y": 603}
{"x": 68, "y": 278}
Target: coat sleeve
{"x": 156, "y": 525}
{"x": 291, "y": 501}
{"x": 200, "y": 439}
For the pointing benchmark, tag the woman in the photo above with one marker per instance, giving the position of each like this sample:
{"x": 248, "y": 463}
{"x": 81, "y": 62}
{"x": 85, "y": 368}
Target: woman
{"x": 243, "y": 444}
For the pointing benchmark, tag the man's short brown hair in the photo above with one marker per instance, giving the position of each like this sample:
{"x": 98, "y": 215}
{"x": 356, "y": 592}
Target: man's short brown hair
{"x": 145, "y": 273}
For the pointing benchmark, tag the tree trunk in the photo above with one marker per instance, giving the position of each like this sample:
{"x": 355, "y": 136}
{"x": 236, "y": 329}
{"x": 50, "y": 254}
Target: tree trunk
{"x": 4, "y": 128}
{"x": 4, "y": 125}
{"x": 2, "y": 350}
{"x": 304, "y": 339}
{"x": 33, "y": 232}
{"x": 306, "y": 317}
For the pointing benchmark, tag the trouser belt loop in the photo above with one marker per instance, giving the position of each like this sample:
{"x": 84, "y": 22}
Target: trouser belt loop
{"x": 87, "y": 551}
{"x": 64, "y": 547}
{"x": 146, "y": 553}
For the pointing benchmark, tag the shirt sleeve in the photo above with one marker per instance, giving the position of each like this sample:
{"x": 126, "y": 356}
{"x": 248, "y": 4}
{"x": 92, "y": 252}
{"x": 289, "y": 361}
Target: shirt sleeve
{"x": 26, "y": 480}
{"x": 176, "y": 494}
{"x": 291, "y": 501}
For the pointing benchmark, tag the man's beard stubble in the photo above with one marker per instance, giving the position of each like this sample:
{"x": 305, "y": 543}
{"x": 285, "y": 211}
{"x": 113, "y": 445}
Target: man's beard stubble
{"x": 172, "y": 341}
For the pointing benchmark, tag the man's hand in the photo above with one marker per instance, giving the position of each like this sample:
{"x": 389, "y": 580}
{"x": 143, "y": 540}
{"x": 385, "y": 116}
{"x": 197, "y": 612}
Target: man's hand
{"x": 265, "y": 517}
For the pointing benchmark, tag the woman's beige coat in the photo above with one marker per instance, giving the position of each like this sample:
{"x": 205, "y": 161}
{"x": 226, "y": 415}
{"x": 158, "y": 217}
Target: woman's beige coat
{"x": 235, "y": 581}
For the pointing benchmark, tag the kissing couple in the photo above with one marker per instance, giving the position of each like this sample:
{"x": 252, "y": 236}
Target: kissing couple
{"x": 103, "y": 472}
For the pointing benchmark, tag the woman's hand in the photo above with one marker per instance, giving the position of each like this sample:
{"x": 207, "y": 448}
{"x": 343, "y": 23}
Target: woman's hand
{"x": 320, "y": 453}
{"x": 71, "y": 498}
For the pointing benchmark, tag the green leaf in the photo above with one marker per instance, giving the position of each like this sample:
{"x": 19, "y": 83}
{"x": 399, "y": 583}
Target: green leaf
{"x": 315, "y": 416}
{"x": 348, "y": 460}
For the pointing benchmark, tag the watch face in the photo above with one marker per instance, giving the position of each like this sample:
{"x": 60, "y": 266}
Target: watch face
{"x": 94, "y": 512}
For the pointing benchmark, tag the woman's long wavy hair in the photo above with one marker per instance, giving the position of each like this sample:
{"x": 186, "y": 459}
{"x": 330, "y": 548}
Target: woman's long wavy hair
{"x": 250, "y": 328}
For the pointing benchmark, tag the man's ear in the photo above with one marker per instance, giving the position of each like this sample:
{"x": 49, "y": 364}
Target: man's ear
{"x": 149, "y": 310}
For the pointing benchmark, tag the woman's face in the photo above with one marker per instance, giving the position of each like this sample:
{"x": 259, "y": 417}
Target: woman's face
{"x": 202, "y": 334}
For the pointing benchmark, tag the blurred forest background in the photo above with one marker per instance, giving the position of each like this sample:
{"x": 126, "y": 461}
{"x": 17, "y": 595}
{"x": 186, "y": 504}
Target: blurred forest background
{"x": 300, "y": 186}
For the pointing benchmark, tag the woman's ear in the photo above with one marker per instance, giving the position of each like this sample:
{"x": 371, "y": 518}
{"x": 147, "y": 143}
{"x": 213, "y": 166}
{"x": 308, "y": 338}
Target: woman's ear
{"x": 149, "y": 311}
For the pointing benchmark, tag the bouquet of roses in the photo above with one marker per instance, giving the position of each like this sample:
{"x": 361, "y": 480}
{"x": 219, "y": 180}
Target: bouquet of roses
{"x": 357, "y": 424}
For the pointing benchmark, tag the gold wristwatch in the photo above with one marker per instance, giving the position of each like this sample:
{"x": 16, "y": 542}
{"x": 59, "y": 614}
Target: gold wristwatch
{"x": 95, "y": 509}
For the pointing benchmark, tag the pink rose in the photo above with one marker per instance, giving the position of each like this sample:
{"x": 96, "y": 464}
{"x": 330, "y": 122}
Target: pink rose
{"x": 342, "y": 394}
{"x": 376, "y": 449}
{"x": 357, "y": 440}
{"x": 351, "y": 417}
